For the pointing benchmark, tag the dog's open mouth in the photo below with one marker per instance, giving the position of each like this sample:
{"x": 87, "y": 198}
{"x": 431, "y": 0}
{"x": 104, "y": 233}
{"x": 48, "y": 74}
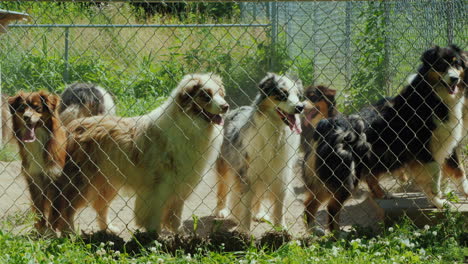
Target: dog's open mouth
{"x": 311, "y": 114}
{"x": 290, "y": 120}
{"x": 30, "y": 133}
{"x": 213, "y": 118}
{"x": 452, "y": 88}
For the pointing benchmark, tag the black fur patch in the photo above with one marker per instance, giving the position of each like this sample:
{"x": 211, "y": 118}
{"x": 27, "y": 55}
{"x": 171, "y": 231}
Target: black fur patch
{"x": 383, "y": 137}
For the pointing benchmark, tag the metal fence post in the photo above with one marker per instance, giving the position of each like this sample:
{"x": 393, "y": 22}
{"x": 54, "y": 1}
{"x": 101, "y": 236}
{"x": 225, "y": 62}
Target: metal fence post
{"x": 386, "y": 62}
{"x": 66, "y": 75}
{"x": 273, "y": 17}
{"x": 449, "y": 9}
{"x": 348, "y": 42}
{"x": 1, "y": 112}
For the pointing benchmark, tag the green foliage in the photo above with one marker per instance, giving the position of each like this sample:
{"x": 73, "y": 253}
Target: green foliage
{"x": 194, "y": 11}
{"x": 402, "y": 243}
{"x": 368, "y": 80}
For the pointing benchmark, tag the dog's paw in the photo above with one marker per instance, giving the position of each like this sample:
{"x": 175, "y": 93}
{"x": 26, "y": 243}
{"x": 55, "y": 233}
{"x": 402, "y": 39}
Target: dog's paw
{"x": 262, "y": 217}
{"x": 464, "y": 187}
{"x": 318, "y": 231}
{"x": 112, "y": 229}
{"x": 441, "y": 203}
{"x": 243, "y": 229}
{"x": 222, "y": 213}
{"x": 46, "y": 232}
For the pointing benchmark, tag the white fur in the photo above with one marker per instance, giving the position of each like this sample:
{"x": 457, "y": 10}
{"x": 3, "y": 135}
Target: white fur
{"x": 35, "y": 156}
{"x": 272, "y": 146}
{"x": 109, "y": 104}
{"x": 445, "y": 137}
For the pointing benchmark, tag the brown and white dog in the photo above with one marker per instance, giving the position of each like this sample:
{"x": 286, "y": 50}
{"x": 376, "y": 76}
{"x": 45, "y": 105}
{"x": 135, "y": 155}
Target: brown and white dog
{"x": 319, "y": 104}
{"x": 160, "y": 156}
{"x": 41, "y": 140}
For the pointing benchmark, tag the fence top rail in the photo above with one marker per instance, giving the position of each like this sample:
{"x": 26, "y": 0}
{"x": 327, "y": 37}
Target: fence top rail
{"x": 136, "y": 25}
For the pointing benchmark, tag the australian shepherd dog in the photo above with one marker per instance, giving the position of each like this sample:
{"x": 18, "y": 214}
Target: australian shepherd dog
{"x": 41, "y": 140}
{"x": 419, "y": 128}
{"x": 84, "y": 100}
{"x": 160, "y": 156}
{"x": 319, "y": 104}
{"x": 259, "y": 149}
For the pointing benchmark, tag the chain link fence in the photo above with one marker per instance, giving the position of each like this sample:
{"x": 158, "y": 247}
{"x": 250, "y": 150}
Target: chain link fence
{"x": 140, "y": 52}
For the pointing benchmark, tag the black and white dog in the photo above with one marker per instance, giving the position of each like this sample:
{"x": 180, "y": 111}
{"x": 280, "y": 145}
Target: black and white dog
{"x": 259, "y": 150}
{"x": 418, "y": 128}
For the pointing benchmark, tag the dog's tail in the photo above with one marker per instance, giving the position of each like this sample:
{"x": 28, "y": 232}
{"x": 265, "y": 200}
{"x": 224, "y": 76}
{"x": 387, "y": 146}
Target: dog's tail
{"x": 341, "y": 146}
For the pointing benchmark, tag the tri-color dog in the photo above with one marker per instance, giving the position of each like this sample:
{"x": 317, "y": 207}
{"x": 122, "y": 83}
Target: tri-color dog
{"x": 418, "y": 128}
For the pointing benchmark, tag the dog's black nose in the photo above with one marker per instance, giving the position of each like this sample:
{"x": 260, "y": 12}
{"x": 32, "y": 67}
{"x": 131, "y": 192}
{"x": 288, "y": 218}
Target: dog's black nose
{"x": 454, "y": 79}
{"x": 299, "y": 108}
{"x": 26, "y": 118}
{"x": 224, "y": 108}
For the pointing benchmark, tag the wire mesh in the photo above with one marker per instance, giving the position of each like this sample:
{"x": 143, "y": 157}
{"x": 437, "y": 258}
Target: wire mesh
{"x": 362, "y": 50}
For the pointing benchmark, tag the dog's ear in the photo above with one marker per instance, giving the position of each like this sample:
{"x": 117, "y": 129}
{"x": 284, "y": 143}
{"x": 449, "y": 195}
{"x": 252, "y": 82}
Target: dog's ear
{"x": 455, "y": 48}
{"x": 330, "y": 92}
{"x": 51, "y": 101}
{"x": 431, "y": 56}
{"x": 14, "y": 102}
{"x": 190, "y": 86}
{"x": 268, "y": 84}
{"x": 464, "y": 60}
{"x": 299, "y": 85}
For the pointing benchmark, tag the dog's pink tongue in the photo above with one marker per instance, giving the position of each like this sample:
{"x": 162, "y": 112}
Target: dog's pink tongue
{"x": 294, "y": 123}
{"x": 218, "y": 119}
{"x": 453, "y": 89}
{"x": 30, "y": 134}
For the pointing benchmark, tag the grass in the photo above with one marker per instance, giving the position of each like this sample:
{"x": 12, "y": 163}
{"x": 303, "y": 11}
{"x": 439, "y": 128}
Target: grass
{"x": 9, "y": 152}
{"x": 402, "y": 243}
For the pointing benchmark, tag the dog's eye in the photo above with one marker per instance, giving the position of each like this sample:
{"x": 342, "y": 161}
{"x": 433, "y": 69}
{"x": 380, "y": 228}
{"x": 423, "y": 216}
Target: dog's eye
{"x": 38, "y": 109}
{"x": 205, "y": 96}
{"x": 21, "y": 108}
{"x": 282, "y": 96}
{"x": 314, "y": 98}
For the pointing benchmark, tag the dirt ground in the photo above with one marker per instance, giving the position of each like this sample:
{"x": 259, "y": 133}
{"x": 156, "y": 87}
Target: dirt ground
{"x": 14, "y": 205}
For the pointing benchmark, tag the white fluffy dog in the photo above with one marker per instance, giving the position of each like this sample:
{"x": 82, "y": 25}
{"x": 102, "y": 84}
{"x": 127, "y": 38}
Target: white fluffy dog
{"x": 160, "y": 156}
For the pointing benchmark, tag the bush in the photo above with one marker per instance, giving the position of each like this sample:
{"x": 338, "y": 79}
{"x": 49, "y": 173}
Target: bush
{"x": 199, "y": 11}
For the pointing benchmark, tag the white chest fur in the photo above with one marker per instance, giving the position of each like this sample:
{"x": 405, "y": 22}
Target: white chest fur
{"x": 448, "y": 133}
{"x": 271, "y": 148}
{"x": 35, "y": 153}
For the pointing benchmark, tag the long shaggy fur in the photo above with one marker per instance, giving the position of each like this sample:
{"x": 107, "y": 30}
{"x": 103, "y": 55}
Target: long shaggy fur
{"x": 161, "y": 156}
{"x": 85, "y": 100}
{"x": 419, "y": 127}
{"x": 41, "y": 140}
{"x": 258, "y": 151}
